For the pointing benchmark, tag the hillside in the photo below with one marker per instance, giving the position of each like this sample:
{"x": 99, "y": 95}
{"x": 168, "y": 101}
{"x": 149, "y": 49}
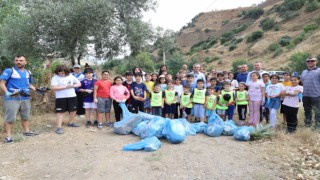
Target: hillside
{"x": 217, "y": 38}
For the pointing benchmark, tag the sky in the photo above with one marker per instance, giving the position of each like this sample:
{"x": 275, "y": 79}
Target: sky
{"x": 174, "y": 14}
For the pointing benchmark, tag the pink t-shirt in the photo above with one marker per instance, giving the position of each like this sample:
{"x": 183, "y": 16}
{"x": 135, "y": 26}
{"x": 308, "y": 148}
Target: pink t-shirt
{"x": 292, "y": 101}
{"x": 119, "y": 92}
{"x": 254, "y": 90}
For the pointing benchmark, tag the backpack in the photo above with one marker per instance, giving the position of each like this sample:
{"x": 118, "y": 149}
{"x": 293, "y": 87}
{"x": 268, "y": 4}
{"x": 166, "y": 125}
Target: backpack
{"x": 30, "y": 76}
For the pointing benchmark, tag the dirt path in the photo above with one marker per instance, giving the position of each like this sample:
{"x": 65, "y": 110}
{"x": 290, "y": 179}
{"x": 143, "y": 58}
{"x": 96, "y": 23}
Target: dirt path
{"x": 83, "y": 153}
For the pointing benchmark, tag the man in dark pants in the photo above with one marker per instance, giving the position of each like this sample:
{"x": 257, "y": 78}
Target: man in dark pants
{"x": 310, "y": 79}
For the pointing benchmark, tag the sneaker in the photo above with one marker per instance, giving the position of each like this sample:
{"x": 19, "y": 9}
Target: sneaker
{"x": 88, "y": 124}
{"x": 111, "y": 124}
{"x": 8, "y": 140}
{"x": 108, "y": 124}
{"x": 59, "y": 131}
{"x": 99, "y": 125}
{"x": 30, "y": 133}
{"x": 73, "y": 125}
{"x": 95, "y": 123}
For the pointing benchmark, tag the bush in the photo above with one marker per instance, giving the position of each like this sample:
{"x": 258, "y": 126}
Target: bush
{"x": 273, "y": 47}
{"x": 277, "y": 52}
{"x": 267, "y": 24}
{"x": 254, "y": 13}
{"x": 220, "y": 62}
{"x": 289, "y": 15}
{"x": 233, "y": 47}
{"x": 290, "y": 5}
{"x": 254, "y": 36}
{"x": 312, "y": 6}
{"x": 298, "y": 61}
{"x": 284, "y": 40}
{"x": 240, "y": 28}
{"x": 207, "y": 30}
{"x": 238, "y": 62}
{"x": 224, "y": 22}
{"x": 215, "y": 58}
{"x": 310, "y": 27}
{"x": 227, "y": 36}
{"x": 208, "y": 59}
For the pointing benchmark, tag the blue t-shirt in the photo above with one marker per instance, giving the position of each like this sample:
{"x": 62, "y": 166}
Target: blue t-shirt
{"x": 17, "y": 81}
{"x": 192, "y": 86}
{"x": 138, "y": 89}
{"x": 88, "y": 84}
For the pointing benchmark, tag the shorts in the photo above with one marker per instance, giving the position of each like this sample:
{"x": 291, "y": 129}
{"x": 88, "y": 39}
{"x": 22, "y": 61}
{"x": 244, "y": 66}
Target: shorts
{"x": 187, "y": 110}
{"x": 210, "y": 112}
{"x": 221, "y": 111}
{"x": 66, "y": 104}
{"x": 156, "y": 111}
{"x": 170, "y": 109}
{"x": 147, "y": 103}
{"x": 104, "y": 105}
{"x": 89, "y": 105}
{"x": 12, "y": 107}
{"x": 198, "y": 111}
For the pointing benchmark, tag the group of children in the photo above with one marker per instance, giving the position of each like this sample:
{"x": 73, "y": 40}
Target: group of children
{"x": 176, "y": 98}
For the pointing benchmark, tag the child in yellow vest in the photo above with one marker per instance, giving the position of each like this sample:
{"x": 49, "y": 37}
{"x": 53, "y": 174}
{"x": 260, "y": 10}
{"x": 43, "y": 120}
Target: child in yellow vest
{"x": 170, "y": 100}
{"x": 242, "y": 99}
{"x": 198, "y": 99}
{"x": 185, "y": 102}
{"x": 211, "y": 101}
{"x": 222, "y": 105}
{"x": 227, "y": 90}
{"x": 149, "y": 85}
{"x": 156, "y": 100}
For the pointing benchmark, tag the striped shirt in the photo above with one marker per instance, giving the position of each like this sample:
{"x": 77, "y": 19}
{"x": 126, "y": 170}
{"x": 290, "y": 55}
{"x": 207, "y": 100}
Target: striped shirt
{"x": 310, "y": 79}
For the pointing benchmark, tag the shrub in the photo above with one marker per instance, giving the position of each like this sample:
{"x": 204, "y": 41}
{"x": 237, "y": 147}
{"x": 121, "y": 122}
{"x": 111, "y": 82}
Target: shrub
{"x": 289, "y": 15}
{"x": 224, "y": 22}
{"x": 233, "y": 47}
{"x": 240, "y": 61}
{"x": 298, "y": 61}
{"x": 310, "y": 27}
{"x": 312, "y": 6}
{"x": 317, "y": 20}
{"x": 254, "y": 13}
{"x": 267, "y": 24}
{"x": 273, "y": 47}
{"x": 254, "y": 36}
{"x": 227, "y": 36}
{"x": 207, "y": 30}
{"x": 215, "y": 58}
{"x": 240, "y": 29}
{"x": 277, "y": 52}
{"x": 208, "y": 59}
{"x": 290, "y": 5}
{"x": 284, "y": 40}
{"x": 220, "y": 62}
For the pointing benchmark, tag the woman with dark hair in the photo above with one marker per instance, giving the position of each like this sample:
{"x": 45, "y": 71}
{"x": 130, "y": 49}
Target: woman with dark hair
{"x": 137, "y": 70}
{"x": 63, "y": 83}
{"x": 162, "y": 68}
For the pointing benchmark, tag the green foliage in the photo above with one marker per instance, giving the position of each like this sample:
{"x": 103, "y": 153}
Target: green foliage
{"x": 285, "y": 40}
{"x": 267, "y": 24}
{"x": 261, "y": 132}
{"x": 254, "y": 36}
{"x": 302, "y": 36}
{"x": 220, "y": 62}
{"x": 277, "y": 52}
{"x": 298, "y": 61}
{"x": 208, "y": 59}
{"x": 317, "y": 20}
{"x": 226, "y": 21}
{"x": 215, "y": 58}
{"x": 202, "y": 45}
{"x": 289, "y": 15}
{"x": 273, "y": 47}
{"x": 9, "y": 8}
{"x": 227, "y": 36}
{"x": 312, "y": 6}
{"x": 240, "y": 28}
{"x": 254, "y": 13}
{"x": 239, "y": 62}
{"x": 54, "y": 65}
{"x": 290, "y": 5}
{"x": 310, "y": 27}
{"x": 175, "y": 61}
{"x": 207, "y": 30}
{"x": 233, "y": 47}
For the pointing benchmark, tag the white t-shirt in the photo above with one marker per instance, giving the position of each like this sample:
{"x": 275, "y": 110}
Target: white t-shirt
{"x": 254, "y": 90}
{"x": 64, "y": 81}
{"x": 292, "y": 101}
{"x": 179, "y": 90}
{"x": 275, "y": 89}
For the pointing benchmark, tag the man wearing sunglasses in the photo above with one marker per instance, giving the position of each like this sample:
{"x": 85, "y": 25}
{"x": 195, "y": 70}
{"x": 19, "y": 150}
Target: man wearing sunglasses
{"x": 310, "y": 79}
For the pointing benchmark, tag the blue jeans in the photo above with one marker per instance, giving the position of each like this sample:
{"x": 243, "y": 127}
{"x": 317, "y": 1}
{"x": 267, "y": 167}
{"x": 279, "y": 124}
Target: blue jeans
{"x": 230, "y": 112}
{"x": 309, "y": 104}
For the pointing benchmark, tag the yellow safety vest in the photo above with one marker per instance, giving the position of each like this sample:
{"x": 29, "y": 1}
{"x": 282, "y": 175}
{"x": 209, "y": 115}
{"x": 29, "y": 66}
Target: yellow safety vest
{"x": 156, "y": 99}
{"x": 170, "y": 95}
{"x": 231, "y": 94}
{"x": 242, "y": 96}
{"x": 185, "y": 99}
{"x": 221, "y": 101}
{"x": 199, "y": 96}
{"x": 211, "y": 101}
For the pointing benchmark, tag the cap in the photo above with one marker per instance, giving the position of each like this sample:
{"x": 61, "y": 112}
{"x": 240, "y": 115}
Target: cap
{"x": 88, "y": 70}
{"x": 311, "y": 58}
{"x": 86, "y": 65}
{"x": 162, "y": 76}
{"x": 76, "y": 66}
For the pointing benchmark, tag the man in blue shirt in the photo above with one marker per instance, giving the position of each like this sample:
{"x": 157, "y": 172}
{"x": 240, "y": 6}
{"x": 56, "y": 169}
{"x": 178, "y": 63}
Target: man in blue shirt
{"x": 16, "y": 84}
{"x": 242, "y": 76}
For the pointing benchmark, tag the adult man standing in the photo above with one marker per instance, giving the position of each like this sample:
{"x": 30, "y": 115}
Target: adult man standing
{"x": 238, "y": 71}
{"x": 311, "y": 94}
{"x": 16, "y": 82}
{"x": 197, "y": 74}
{"x": 242, "y": 76}
{"x": 80, "y": 76}
{"x": 257, "y": 68}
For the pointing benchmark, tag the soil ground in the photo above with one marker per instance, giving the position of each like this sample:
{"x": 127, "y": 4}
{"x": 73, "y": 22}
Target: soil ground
{"x": 89, "y": 153}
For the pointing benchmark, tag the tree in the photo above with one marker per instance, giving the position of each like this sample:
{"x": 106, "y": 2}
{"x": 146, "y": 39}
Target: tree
{"x": 298, "y": 61}
{"x": 175, "y": 62}
{"x": 165, "y": 40}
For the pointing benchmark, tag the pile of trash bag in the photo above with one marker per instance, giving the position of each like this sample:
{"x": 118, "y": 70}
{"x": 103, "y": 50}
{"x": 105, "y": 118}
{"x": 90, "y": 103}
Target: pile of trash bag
{"x": 229, "y": 128}
{"x": 243, "y": 133}
{"x": 147, "y": 144}
{"x": 215, "y": 126}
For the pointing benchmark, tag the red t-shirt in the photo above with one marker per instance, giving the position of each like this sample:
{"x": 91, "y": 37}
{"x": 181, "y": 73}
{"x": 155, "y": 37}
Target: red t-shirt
{"x": 103, "y": 88}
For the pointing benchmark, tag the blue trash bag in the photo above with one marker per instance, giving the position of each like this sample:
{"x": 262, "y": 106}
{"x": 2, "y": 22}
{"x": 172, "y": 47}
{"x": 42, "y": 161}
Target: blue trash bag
{"x": 141, "y": 127}
{"x": 128, "y": 122}
{"x": 243, "y": 133}
{"x": 147, "y": 144}
{"x": 214, "y": 116}
{"x": 146, "y": 116}
{"x": 190, "y": 130}
{"x": 215, "y": 128}
{"x": 154, "y": 127}
{"x": 199, "y": 127}
{"x": 229, "y": 128}
{"x": 174, "y": 131}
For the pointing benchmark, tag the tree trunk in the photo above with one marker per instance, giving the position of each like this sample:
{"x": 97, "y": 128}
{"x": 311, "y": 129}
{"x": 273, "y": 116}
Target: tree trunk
{"x": 79, "y": 58}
